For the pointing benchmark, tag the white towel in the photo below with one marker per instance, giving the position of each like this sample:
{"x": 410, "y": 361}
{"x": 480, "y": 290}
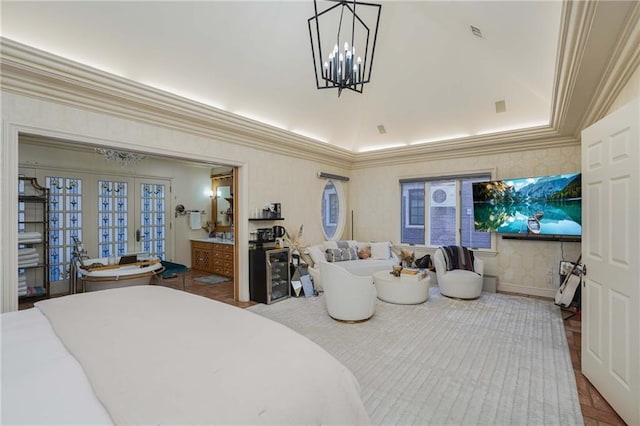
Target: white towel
{"x": 195, "y": 221}
{"x": 32, "y": 256}
{"x": 30, "y": 241}
{"x": 29, "y": 236}
{"x": 26, "y": 251}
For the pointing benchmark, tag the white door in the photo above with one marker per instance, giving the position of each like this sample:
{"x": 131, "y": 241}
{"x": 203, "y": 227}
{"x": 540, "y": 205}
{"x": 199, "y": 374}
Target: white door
{"x": 611, "y": 253}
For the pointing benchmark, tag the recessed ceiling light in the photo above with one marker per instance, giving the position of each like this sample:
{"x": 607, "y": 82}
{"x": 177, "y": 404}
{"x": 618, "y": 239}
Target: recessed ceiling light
{"x": 476, "y": 31}
{"x": 501, "y": 106}
{"x": 381, "y": 129}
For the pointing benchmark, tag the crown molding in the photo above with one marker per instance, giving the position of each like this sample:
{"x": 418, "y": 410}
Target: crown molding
{"x": 594, "y": 63}
{"x": 508, "y": 142}
{"x": 35, "y": 73}
{"x": 575, "y": 21}
{"x": 624, "y": 61}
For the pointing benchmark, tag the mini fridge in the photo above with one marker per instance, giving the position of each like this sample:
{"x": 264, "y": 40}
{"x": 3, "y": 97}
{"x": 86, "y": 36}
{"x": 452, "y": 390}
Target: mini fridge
{"x": 269, "y": 274}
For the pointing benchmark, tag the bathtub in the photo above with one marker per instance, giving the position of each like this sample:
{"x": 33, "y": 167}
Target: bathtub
{"x": 139, "y": 273}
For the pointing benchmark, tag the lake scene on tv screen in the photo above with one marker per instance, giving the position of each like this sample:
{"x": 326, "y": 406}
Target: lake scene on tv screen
{"x": 545, "y": 205}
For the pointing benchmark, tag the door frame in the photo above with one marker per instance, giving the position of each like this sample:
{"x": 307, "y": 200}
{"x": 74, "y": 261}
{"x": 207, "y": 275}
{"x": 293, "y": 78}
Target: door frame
{"x": 12, "y": 130}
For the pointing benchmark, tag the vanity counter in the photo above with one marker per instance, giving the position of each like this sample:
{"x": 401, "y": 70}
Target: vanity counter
{"x": 213, "y": 255}
{"x": 216, "y": 240}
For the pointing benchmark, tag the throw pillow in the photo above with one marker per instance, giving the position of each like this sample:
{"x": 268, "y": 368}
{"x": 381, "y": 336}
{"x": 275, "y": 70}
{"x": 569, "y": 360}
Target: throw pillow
{"x": 316, "y": 254}
{"x": 381, "y": 250}
{"x": 424, "y": 262}
{"x": 363, "y": 245}
{"x": 352, "y": 243}
{"x": 341, "y": 254}
{"x": 306, "y": 258}
{"x": 331, "y": 244}
{"x": 364, "y": 253}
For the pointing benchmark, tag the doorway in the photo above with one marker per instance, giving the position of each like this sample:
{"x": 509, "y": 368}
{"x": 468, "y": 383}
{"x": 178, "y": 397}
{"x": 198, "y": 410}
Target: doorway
{"x": 114, "y": 208}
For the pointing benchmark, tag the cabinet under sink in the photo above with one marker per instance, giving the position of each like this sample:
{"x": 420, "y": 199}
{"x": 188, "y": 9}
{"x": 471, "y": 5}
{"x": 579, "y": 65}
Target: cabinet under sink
{"x": 212, "y": 257}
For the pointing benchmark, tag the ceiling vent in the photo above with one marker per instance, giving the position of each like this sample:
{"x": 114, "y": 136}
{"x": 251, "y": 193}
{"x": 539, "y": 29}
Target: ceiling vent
{"x": 381, "y": 129}
{"x": 476, "y": 31}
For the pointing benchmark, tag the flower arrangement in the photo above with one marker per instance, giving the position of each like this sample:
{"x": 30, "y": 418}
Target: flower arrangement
{"x": 294, "y": 241}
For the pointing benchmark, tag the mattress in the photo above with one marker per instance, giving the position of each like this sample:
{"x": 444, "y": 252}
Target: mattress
{"x": 42, "y": 383}
{"x": 154, "y": 355}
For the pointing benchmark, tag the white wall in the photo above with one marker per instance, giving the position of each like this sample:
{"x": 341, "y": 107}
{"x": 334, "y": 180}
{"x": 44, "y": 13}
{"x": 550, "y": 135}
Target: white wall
{"x": 529, "y": 267}
{"x": 630, "y": 92}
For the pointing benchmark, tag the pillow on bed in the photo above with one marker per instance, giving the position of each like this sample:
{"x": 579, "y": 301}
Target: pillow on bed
{"x": 381, "y": 250}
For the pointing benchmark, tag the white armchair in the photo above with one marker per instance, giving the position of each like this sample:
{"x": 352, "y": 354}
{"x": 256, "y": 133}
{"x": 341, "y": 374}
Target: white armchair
{"x": 348, "y": 297}
{"x": 458, "y": 282}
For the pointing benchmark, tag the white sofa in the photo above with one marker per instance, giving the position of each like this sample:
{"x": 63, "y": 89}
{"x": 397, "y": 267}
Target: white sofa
{"x": 382, "y": 259}
{"x": 348, "y": 297}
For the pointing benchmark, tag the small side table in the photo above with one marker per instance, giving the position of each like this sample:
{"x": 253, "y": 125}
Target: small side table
{"x": 401, "y": 291}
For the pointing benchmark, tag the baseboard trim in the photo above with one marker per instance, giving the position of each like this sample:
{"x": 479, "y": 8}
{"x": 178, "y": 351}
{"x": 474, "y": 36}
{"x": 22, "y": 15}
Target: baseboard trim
{"x": 549, "y": 293}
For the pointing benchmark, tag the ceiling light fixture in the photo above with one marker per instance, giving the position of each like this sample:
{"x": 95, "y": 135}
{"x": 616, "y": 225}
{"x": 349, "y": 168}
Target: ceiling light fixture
{"x": 343, "y": 69}
{"x": 123, "y": 157}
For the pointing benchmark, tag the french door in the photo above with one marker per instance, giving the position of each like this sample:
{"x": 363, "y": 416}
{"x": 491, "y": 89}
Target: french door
{"x": 610, "y": 251}
{"x": 133, "y": 216}
{"x": 111, "y": 215}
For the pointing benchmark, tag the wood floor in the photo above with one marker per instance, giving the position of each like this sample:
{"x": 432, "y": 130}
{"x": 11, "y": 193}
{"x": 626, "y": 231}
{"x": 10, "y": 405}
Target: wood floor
{"x": 222, "y": 292}
{"x": 595, "y": 410}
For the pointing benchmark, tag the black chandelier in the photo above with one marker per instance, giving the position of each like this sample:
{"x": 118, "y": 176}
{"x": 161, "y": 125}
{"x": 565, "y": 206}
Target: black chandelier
{"x": 343, "y": 68}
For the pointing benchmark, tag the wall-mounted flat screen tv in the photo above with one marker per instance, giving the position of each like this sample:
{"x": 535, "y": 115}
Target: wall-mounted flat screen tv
{"x": 535, "y": 206}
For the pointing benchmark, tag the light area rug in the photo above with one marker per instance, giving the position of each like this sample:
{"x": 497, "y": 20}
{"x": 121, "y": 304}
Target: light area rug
{"x": 497, "y": 360}
{"x": 212, "y": 279}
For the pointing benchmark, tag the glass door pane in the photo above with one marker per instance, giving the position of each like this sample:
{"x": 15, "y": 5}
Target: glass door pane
{"x": 152, "y": 217}
{"x": 113, "y": 218}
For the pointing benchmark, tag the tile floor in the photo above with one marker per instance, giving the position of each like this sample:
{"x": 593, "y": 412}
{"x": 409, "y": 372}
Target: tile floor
{"x": 595, "y": 410}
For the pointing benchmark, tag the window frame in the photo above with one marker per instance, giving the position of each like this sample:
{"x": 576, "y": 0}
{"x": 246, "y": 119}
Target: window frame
{"x": 341, "y": 210}
{"x": 458, "y": 178}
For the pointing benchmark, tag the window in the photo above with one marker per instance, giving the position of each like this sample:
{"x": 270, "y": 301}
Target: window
{"x": 333, "y": 210}
{"x": 437, "y": 212}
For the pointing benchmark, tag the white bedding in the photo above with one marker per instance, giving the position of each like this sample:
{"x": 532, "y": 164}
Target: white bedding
{"x": 154, "y": 355}
{"x": 42, "y": 383}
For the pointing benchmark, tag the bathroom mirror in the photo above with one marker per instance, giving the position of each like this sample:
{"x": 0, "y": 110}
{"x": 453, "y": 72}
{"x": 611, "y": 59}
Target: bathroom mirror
{"x": 222, "y": 203}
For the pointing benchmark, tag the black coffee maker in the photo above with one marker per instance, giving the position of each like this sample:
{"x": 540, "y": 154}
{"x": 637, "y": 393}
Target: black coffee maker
{"x": 264, "y": 234}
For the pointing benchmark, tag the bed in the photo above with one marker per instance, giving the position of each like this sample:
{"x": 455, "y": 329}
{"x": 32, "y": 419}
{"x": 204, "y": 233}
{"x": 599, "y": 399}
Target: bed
{"x": 154, "y": 355}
